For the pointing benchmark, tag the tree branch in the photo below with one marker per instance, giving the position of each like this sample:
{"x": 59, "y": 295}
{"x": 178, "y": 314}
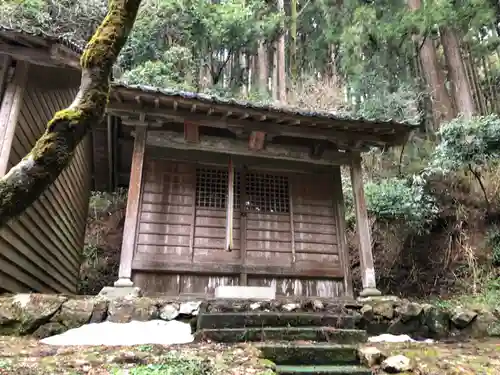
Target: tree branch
{"x": 27, "y": 180}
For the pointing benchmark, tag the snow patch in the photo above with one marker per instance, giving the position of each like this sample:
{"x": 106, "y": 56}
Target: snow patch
{"x": 125, "y": 334}
{"x": 396, "y": 338}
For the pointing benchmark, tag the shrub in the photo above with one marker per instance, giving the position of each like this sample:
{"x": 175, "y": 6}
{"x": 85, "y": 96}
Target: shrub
{"x": 396, "y": 199}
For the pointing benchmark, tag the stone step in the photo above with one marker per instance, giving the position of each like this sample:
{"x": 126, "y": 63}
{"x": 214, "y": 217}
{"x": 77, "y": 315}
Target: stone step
{"x": 305, "y": 354}
{"x": 323, "y": 370}
{"x": 274, "y": 319}
{"x": 320, "y": 334}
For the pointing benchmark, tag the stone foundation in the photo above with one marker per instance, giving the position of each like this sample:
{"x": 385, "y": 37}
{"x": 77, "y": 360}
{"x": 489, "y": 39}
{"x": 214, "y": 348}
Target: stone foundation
{"x": 46, "y": 315}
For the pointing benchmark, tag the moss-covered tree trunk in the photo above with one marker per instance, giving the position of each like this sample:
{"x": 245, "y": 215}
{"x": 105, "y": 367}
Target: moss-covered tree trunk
{"x": 27, "y": 180}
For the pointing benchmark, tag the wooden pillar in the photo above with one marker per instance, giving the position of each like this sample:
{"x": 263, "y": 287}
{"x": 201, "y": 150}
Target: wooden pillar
{"x": 5, "y": 63}
{"x": 364, "y": 231}
{"x": 132, "y": 211}
{"x": 339, "y": 211}
{"x": 9, "y": 112}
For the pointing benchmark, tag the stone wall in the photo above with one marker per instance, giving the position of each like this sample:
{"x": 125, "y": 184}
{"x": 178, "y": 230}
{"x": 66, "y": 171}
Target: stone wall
{"x": 46, "y": 315}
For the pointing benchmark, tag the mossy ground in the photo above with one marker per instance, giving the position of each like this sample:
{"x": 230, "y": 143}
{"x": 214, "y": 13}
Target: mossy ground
{"x": 464, "y": 358}
{"x": 25, "y": 356}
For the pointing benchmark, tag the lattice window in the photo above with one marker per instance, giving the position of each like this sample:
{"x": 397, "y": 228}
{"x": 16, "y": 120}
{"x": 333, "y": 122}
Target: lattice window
{"x": 212, "y": 189}
{"x": 267, "y": 193}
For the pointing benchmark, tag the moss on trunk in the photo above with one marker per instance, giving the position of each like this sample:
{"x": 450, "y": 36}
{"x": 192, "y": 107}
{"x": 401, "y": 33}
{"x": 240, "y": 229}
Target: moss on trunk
{"x": 27, "y": 180}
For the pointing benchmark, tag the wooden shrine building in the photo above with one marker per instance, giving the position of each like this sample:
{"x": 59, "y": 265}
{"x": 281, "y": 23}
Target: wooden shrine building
{"x": 220, "y": 192}
{"x": 229, "y": 193}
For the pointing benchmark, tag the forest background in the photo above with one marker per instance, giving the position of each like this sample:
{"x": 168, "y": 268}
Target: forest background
{"x": 434, "y": 203}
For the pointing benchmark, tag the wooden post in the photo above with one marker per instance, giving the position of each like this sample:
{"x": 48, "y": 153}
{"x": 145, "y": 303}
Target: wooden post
{"x": 9, "y": 112}
{"x": 364, "y": 231}
{"x": 109, "y": 121}
{"x": 132, "y": 211}
{"x": 339, "y": 211}
{"x": 243, "y": 227}
{"x": 5, "y": 62}
{"x": 230, "y": 207}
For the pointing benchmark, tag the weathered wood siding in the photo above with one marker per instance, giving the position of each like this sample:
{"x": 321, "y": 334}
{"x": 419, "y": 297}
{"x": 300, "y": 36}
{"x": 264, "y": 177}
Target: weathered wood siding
{"x": 40, "y": 250}
{"x": 283, "y": 226}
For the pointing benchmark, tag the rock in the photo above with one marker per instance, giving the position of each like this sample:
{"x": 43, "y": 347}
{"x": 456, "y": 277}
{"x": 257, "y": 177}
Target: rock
{"x": 75, "y": 312}
{"x": 170, "y": 311}
{"x": 397, "y": 364}
{"x": 384, "y": 309}
{"x": 190, "y": 308}
{"x": 370, "y": 356}
{"x": 436, "y": 320}
{"x": 100, "y": 311}
{"x": 317, "y": 305}
{"x": 23, "y": 313}
{"x": 367, "y": 312}
{"x": 461, "y": 318}
{"x": 120, "y": 292}
{"x": 399, "y": 327}
{"x": 409, "y": 311}
{"x": 49, "y": 329}
{"x": 486, "y": 324}
{"x": 255, "y": 306}
{"x": 124, "y": 310}
{"x": 291, "y": 307}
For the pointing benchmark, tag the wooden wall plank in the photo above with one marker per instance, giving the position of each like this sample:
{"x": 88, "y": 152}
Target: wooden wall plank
{"x": 43, "y": 246}
{"x": 176, "y": 237}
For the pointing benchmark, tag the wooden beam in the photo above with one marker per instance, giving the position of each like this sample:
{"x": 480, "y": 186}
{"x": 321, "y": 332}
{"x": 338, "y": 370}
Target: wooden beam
{"x": 5, "y": 63}
{"x": 132, "y": 210}
{"x": 191, "y": 132}
{"x": 54, "y": 56}
{"x": 339, "y": 214}
{"x": 147, "y": 264}
{"x": 364, "y": 230}
{"x": 220, "y": 159}
{"x": 236, "y": 147}
{"x": 9, "y": 112}
{"x": 312, "y": 132}
{"x": 256, "y": 140}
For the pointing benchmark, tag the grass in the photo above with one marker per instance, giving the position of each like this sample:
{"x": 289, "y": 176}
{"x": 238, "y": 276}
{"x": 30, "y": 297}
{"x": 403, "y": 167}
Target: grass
{"x": 487, "y": 297}
{"x": 170, "y": 365}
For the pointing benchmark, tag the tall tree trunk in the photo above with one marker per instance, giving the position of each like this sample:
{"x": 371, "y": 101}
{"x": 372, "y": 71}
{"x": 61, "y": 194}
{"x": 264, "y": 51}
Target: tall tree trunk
{"x": 461, "y": 89}
{"x": 27, "y": 180}
{"x": 281, "y": 56}
{"x": 274, "y": 85}
{"x": 442, "y": 106}
{"x": 263, "y": 68}
{"x": 293, "y": 41}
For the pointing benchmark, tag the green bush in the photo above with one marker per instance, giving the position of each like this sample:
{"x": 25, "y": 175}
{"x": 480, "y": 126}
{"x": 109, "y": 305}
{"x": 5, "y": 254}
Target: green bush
{"x": 467, "y": 143}
{"x": 397, "y": 199}
{"x": 493, "y": 240}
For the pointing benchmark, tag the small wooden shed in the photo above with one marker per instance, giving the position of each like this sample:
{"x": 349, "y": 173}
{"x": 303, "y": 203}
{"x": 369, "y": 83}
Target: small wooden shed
{"x": 220, "y": 192}
{"x": 41, "y": 250}
{"x": 230, "y": 193}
